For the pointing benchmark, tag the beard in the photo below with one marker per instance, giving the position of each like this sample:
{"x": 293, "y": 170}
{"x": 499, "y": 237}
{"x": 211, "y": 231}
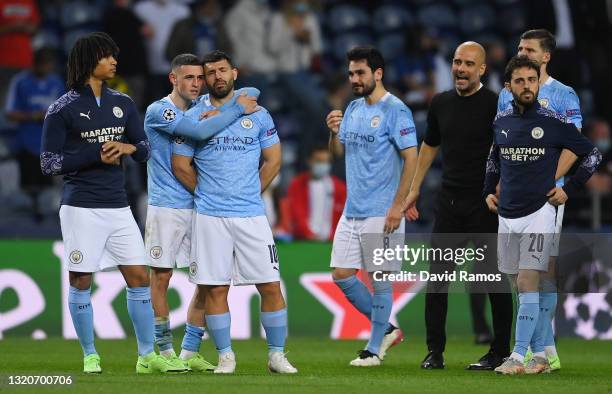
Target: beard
{"x": 519, "y": 99}
{"x": 221, "y": 91}
{"x": 366, "y": 90}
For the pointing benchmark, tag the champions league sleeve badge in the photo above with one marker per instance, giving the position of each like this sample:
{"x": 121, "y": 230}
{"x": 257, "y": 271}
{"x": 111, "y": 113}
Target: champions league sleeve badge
{"x": 169, "y": 115}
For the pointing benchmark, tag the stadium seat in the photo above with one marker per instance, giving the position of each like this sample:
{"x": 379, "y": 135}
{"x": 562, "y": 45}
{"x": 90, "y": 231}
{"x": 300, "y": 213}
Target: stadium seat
{"x": 78, "y": 13}
{"x": 48, "y": 202}
{"x": 70, "y": 38}
{"x": 345, "y": 42}
{"x": 344, "y": 18}
{"x": 9, "y": 173}
{"x": 391, "y": 45}
{"x": 391, "y": 18}
{"x": 17, "y": 204}
{"x": 477, "y": 18}
{"x": 514, "y": 14}
{"x": 437, "y": 15}
{"x": 46, "y": 38}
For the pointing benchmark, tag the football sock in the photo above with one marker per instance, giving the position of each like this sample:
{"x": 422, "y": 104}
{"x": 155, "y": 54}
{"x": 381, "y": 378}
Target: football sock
{"x": 219, "y": 329}
{"x": 526, "y": 321}
{"x": 191, "y": 340}
{"x": 275, "y": 325}
{"x": 79, "y": 304}
{"x": 382, "y": 301}
{"x": 140, "y": 311}
{"x": 357, "y": 293}
{"x": 163, "y": 336}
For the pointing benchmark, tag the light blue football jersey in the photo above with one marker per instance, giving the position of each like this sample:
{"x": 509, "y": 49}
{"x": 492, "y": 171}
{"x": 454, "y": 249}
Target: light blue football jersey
{"x": 163, "y": 188}
{"x": 163, "y": 124}
{"x": 372, "y": 136}
{"x": 554, "y": 96}
{"x": 228, "y": 164}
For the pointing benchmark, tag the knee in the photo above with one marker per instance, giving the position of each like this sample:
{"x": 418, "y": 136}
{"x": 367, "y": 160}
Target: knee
{"x": 269, "y": 290}
{"x": 216, "y": 293}
{"x": 342, "y": 273}
{"x": 160, "y": 278}
{"x": 81, "y": 281}
{"x": 138, "y": 278}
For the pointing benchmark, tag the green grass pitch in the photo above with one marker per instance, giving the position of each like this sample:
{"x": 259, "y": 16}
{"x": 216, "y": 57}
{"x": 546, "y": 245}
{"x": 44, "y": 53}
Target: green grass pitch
{"x": 323, "y": 366}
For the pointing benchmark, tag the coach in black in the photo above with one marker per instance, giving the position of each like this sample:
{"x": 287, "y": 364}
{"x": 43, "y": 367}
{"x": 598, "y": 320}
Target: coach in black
{"x": 459, "y": 121}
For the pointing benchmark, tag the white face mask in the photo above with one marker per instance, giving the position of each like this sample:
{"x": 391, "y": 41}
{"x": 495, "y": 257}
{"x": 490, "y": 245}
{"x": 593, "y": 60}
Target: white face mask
{"x": 320, "y": 170}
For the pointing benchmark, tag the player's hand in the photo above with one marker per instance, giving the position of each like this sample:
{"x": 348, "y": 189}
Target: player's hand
{"x": 393, "y": 219}
{"x": 108, "y": 160}
{"x": 209, "y": 114}
{"x": 409, "y": 206}
{"x": 248, "y": 103}
{"x": 557, "y": 196}
{"x": 492, "y": 202}
{"x": 333, "y": 120}
{"x": 115, "y": 149}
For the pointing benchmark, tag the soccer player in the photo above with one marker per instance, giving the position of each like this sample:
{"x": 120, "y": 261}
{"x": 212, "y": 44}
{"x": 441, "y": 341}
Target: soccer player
{"x": 86, "y": 133}
{"x": 232, "y": 240}
{"x": 378, "y": 137}
{"x": 459, "y": 123}
{"x": 528, "y": 140}
{"x": 538, "y": 45}
{"x": 169, "y": 214}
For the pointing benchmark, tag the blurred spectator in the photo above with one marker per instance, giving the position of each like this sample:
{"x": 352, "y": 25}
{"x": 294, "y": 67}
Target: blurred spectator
{"x": 315, "y": 199}
{"x": 598, "y": 131}
{"x": 128, "y": 31}
{"x": 19, "y": 20}
{"x": 160, "y": 15}
{"x": 247, "y": 24}
{"x": 559, "y": 17}
{"x": 496, "y": 63}
{"x": 295, "y": 38}
{"x": 416, "y": 68}
{"x": 295, "y": 43}
{"x": 30, "y": 94}
{"x": 200, "y": 33}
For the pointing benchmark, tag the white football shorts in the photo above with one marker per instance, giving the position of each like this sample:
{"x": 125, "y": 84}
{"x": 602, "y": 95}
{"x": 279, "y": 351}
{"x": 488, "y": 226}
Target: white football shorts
{"x": 233, "y": 250}
{"x": 100, "y": 239}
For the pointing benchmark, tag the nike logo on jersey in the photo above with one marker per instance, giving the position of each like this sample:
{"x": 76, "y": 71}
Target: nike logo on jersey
{"x": 85, "y": 115}
{"x": 505, "y": 132}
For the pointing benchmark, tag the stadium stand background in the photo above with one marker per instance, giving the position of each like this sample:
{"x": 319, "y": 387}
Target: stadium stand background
{"x": 303, "y": 75}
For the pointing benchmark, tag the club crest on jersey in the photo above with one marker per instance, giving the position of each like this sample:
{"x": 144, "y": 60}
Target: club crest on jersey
{"x": 193, "y": 269}
{"x": 543, "y": 102}
{"x": 76, "y": 256}
{"x": 156, "y": 252}
{"x": 169, "y": 115}
{"x": 375, "y": 122}
{"x": 246, "y": 123}
{"x": 537, "y": 133}
{"x": 118, "y": 112}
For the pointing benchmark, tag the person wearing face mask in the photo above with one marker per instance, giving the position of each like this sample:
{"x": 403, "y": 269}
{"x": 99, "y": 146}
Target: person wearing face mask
{"x": 315, "y": 199}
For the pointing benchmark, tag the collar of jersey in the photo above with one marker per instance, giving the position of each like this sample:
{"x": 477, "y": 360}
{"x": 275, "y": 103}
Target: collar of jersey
{"x": 530, "y": 111}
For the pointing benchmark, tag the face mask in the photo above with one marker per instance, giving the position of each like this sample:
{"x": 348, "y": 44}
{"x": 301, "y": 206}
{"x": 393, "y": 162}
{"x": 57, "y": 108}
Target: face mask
{"x": 603, "y": 145}
{"x": 320, "y": 170}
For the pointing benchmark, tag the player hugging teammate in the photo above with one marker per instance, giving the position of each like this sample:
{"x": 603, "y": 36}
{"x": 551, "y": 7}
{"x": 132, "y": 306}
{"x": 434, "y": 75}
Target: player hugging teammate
{"x": 216, "y": 225}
